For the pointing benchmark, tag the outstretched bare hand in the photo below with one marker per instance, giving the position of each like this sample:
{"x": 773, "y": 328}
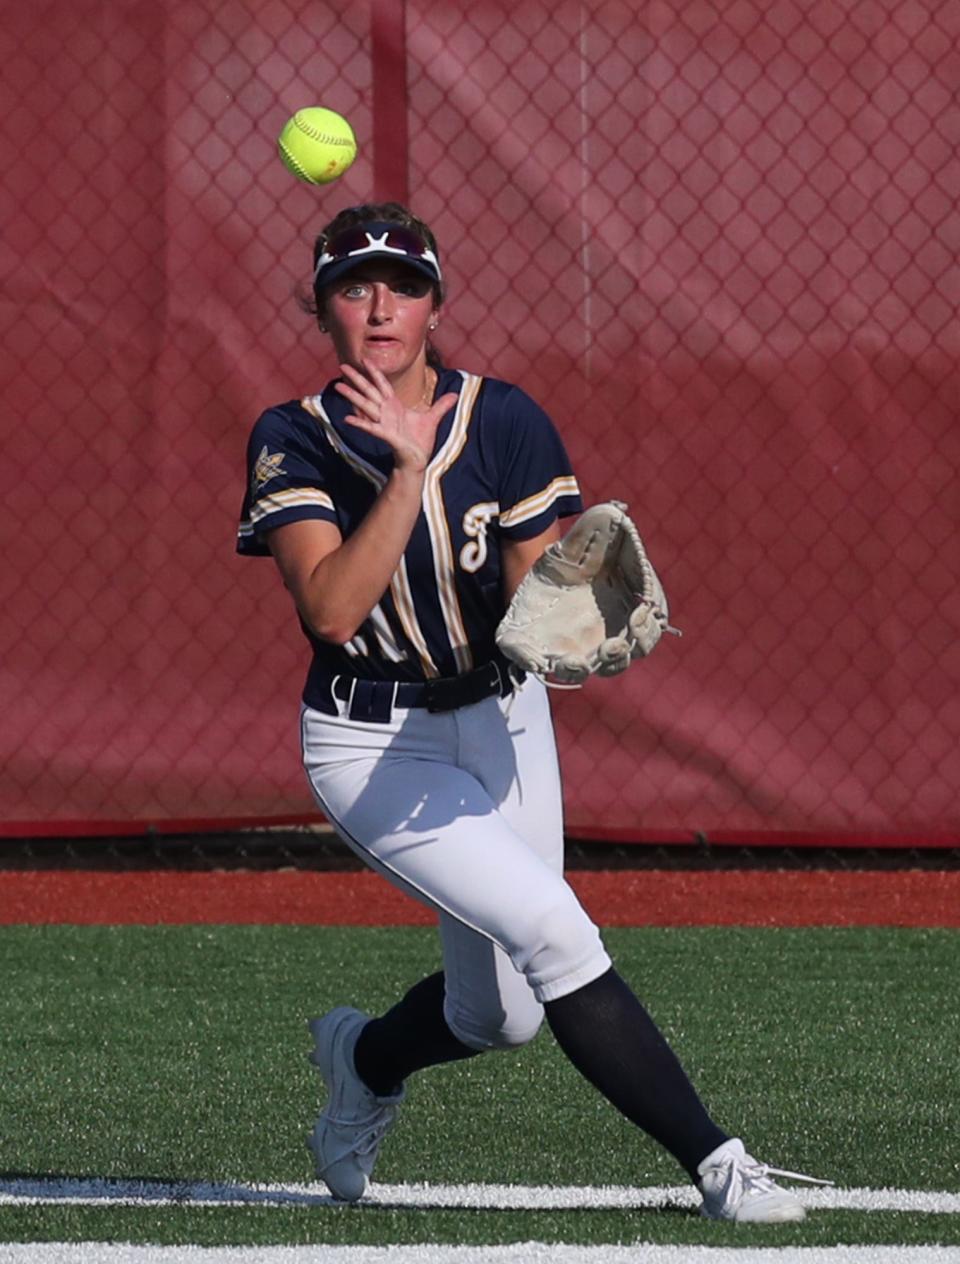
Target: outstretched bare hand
{"x": 408, "y": 431}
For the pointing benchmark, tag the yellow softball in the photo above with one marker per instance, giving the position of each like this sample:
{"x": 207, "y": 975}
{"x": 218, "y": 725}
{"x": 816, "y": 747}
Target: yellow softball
{"x": 317, "y": 145}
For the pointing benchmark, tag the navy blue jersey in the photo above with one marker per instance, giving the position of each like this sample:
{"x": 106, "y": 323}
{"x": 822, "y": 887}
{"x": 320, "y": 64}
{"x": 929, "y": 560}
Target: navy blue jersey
{"x": 499, "y": 471}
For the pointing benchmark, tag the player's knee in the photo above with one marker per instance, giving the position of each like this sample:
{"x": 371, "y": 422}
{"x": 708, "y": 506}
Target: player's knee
{"x": 565, "y": 952}
{"x": 498, "y": 1030}
{"x": 515, "y": 1034}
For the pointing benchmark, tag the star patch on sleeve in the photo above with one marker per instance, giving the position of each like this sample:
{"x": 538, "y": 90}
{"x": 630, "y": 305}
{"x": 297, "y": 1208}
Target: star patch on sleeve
{"x": 268, "y": 466}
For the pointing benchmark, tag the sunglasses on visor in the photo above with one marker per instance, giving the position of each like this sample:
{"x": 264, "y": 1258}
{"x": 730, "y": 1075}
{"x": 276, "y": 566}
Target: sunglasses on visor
{"x": 376, "y": 240}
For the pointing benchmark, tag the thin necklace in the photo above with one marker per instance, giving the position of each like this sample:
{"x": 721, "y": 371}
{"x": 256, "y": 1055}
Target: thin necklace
{"x": 428, "y": 386}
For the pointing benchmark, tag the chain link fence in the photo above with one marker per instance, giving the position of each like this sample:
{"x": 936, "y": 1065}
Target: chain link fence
{"x": 311, "y": 848}
{"x": 719, "y": 244}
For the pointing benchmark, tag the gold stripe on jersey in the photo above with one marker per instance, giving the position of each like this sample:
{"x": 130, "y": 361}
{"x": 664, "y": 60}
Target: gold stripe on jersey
{"x": 439, "y": 526}
{"x": 524, "y": 510}
{"x": 276, "y": 502}
{"x": 400, "y": 582}
{"x": 403, "y": 600}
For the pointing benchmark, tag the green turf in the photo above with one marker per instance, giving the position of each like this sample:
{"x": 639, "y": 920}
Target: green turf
{"x": 176, "y": 1054}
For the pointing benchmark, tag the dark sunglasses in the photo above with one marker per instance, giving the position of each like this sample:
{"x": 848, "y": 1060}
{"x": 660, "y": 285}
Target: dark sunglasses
{"x": 375, "y": 240}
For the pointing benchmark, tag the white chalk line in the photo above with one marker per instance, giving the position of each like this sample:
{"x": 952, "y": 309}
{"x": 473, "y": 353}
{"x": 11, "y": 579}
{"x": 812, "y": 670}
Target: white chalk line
{"x": 96, "y": 1191}
{"x": 435, "y": 1253}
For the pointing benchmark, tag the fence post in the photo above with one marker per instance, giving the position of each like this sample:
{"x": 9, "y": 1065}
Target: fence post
{"x": 389, "y": 56}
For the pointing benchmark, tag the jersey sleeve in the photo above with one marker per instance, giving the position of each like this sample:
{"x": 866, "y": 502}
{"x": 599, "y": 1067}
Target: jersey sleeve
{"x": 537, "y": 483}
{"x": 286, "y": 478}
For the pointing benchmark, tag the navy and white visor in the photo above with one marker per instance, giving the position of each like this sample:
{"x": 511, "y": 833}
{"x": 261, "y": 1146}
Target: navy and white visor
{"x": 374, "y": 240}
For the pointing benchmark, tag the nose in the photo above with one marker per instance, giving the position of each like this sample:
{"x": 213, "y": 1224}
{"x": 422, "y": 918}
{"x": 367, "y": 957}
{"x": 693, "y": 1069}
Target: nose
{"x": 381, "y": 309}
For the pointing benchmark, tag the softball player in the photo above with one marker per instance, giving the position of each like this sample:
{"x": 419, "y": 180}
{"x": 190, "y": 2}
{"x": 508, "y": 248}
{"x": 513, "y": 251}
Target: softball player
{"x": 402, "y": 505}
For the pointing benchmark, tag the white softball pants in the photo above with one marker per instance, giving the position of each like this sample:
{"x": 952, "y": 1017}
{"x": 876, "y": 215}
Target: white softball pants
{"x": 463, "y": 810}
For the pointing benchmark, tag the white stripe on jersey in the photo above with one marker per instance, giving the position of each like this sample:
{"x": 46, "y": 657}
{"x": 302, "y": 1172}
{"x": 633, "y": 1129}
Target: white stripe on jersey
{"x": 524, "y": 510}
{"x": 400, "y": 583}
{"x": 439, "y": 527}
{"x": 275, "y": 502}
{"x": 384, "y": 634}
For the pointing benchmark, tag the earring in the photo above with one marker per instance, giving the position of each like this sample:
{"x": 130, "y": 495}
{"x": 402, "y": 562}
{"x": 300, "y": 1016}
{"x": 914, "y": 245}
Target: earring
{"x": 433, "y": 325}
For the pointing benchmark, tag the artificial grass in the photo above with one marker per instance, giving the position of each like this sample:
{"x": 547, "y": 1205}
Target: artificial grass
{"x": 177, "y": 1054}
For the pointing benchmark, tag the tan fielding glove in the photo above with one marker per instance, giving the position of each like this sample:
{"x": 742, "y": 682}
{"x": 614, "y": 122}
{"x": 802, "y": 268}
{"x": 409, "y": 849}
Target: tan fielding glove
{"x": 591, "y": 603}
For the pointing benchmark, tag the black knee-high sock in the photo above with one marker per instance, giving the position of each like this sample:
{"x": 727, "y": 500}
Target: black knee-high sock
{"x": 612, "y": 1040}
{"x": 412, "y": 1035}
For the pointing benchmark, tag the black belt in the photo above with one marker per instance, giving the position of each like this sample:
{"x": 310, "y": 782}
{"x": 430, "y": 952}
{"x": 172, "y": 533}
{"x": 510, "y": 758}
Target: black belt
{"x": 374, "y": 700}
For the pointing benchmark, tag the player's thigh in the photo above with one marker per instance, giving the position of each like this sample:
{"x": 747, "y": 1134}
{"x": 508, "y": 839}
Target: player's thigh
{"x": 508, "y": 744}
{"x": 433, "y": 829}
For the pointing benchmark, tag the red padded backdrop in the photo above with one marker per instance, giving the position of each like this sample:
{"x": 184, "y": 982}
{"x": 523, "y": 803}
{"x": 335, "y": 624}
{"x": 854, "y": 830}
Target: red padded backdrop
{"x": 719, "y": 243}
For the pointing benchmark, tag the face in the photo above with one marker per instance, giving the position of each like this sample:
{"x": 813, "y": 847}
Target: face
{"x": 379, "y": 314}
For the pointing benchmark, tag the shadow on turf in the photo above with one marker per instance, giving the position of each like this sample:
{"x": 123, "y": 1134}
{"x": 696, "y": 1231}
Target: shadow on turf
{"x": 64, "y": 1188}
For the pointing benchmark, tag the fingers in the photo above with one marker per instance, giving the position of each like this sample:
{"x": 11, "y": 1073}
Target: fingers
{"x": 410, "y": 432}
{"x": 363, "y": 423}
{"x": 444, "y": 403}
{"x": 367, "y": 378}
{"x": 368, "y": 391}
{"x": 362, "y": 385}
{"x": 371, "y": 410}
{"x": 379, "y": 379}
{"x": 349, "y": 393}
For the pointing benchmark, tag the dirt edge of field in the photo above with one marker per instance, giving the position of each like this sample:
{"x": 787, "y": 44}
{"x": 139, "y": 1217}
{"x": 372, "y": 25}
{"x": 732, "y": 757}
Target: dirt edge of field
{"x": 622, "y": 898}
